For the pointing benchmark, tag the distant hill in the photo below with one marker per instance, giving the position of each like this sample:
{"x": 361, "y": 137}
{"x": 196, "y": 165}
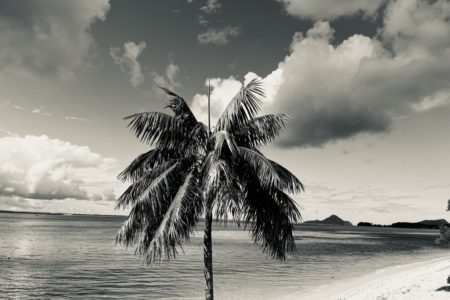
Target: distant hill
{"x": 425, "y": 224}
{"x": 435, "y": 222}
{"x": 331, "y": 220}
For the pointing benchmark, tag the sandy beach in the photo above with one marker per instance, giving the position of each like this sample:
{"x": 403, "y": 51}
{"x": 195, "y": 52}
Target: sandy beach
{"x": 419, "y": 280}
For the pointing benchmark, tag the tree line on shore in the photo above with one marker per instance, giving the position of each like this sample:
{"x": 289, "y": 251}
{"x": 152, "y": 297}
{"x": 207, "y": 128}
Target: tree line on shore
{"x": 425, "y": 224}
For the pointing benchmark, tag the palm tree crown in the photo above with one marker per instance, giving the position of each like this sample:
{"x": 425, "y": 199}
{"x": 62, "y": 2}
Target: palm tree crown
{"x": 192, "y": 171}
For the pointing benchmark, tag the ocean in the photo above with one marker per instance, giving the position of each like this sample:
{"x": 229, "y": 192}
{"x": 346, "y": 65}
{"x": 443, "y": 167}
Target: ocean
{"x": 74, "y": 257}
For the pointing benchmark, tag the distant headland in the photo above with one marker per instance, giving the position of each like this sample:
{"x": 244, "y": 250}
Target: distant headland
{"x": 331, "y": 220}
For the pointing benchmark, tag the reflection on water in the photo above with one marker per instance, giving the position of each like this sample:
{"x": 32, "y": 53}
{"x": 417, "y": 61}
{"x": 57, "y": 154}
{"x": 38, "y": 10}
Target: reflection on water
{"x": 74, "y": 257}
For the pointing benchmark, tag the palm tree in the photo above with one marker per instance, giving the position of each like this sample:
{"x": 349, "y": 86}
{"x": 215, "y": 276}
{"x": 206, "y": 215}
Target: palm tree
{"x": 193, "y": 171}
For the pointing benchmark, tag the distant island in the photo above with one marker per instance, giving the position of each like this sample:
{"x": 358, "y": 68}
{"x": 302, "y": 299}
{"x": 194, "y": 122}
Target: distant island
{"x": 331, "y": 220}
{"x": 425, "y": 224}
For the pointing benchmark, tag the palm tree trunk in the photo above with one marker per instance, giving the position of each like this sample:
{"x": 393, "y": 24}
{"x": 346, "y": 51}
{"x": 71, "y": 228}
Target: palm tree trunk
{"x": 207, "y": 255}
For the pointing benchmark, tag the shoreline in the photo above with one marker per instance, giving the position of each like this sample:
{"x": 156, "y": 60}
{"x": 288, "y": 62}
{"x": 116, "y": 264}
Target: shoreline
{"x": 418, "y": 280}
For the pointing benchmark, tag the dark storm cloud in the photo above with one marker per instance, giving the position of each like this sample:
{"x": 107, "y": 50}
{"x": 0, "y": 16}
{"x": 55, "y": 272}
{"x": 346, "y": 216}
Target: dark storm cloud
{"x": 314, "y": 127}
{"x": 380, "y": 91}
{"x": 362, "y": 84}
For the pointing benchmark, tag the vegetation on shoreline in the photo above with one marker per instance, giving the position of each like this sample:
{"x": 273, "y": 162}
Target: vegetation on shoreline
{"x": 425, "y": 224}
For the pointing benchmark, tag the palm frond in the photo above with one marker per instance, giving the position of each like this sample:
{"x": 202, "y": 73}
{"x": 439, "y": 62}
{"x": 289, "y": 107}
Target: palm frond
{"x": 136, "y": 168}
{"x": 269, "y": 217}
{"x": 154, "y": 179}
{"x": 243, "y": 107}
{"x": 269, "y": 173}
{"x": 131, "y": 229}
{"x": 221, "y": 187}
{"x": 287, "y": 205}
{"x": 150, "y": 198}
{"x": 228, "y": 203}
{"x": 176, "y": 226}
{"x": 146, "y": 162}
{"x": 148, "y": 126}
{"x": 289, "y": 182}
{"x": 215, "y": 172}
{"x": 260, "y": 131}
{"x": 179, "y": 106}
{"x": 218, "y": 139}
{"x": 261, "y": 167}
{"x": 199, "y": 138}
{"x": 160, "y": 129}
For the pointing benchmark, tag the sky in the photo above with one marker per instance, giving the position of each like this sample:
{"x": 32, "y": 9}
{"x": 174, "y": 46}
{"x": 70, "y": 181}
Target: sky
{"x": 366, "y": 84}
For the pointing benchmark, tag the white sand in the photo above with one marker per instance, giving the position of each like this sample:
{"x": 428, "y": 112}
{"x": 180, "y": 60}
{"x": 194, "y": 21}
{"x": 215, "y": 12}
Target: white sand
{"x": 413, "y": 281}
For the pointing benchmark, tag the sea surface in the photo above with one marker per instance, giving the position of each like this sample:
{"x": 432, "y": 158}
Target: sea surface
{"x": 74, "y": 257}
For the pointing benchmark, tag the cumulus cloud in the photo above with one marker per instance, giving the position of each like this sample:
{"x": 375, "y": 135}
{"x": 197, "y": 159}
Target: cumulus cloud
{"x": 361, "y": 85}
{"x": 218, "y": 36}
{"x": 318, "y": 88}
{"x": 324, "y": 10}
{"x": 47, "y": 37}
{"x": 417, "y": 28}
{"x": 127, "y": 59}
{"x": 335, "y": 92}
{"x": 306, "y": 86}
{"x": 41, "y": 168}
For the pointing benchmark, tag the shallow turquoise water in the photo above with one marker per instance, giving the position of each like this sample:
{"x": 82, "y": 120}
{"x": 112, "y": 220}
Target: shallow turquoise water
{"x": 74, "y": 257}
